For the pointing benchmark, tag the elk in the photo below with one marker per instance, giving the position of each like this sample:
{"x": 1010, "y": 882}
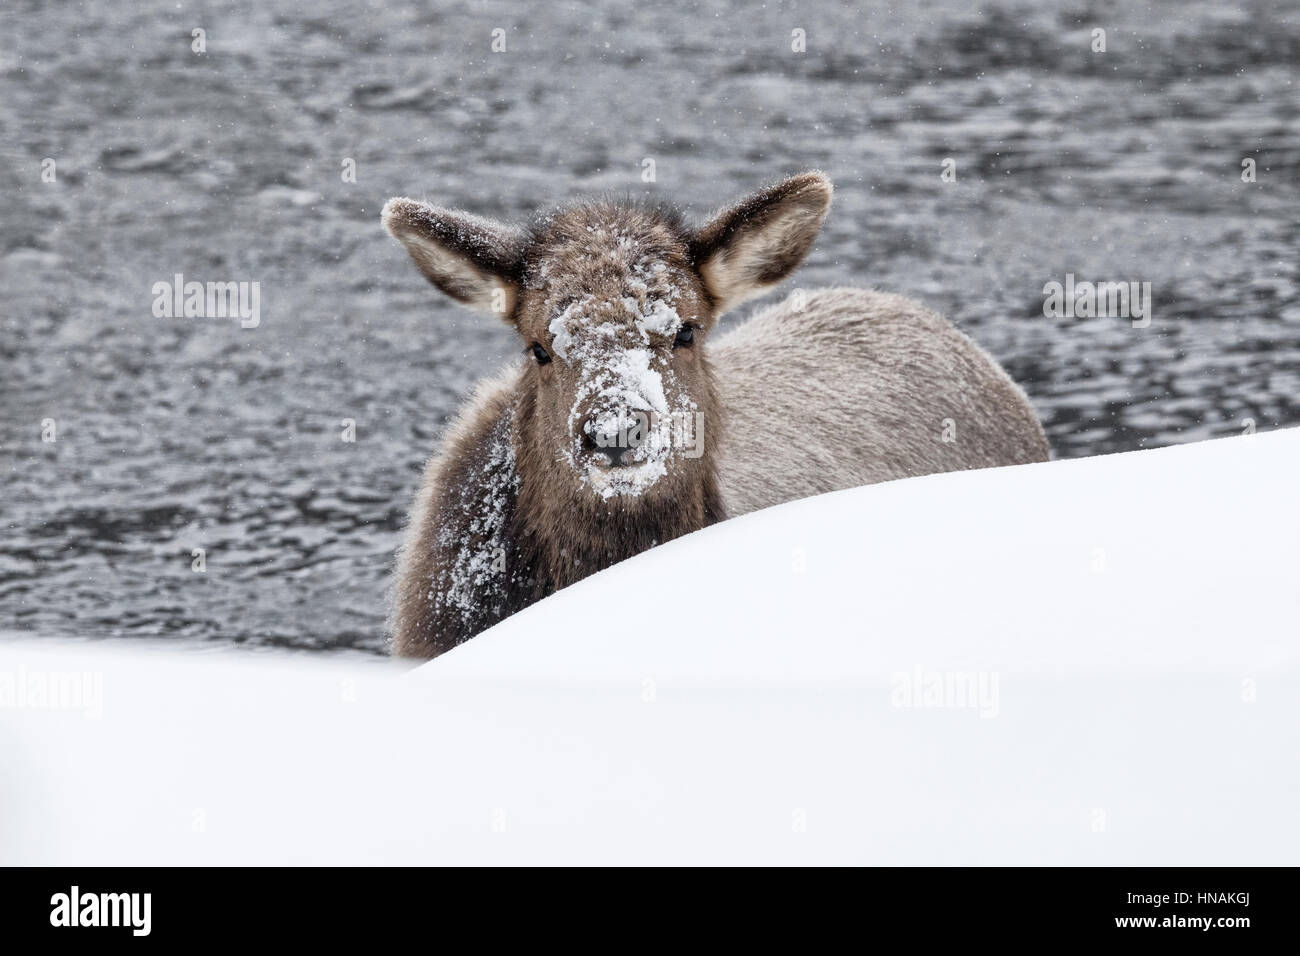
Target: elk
{"x": 626, "y": 425}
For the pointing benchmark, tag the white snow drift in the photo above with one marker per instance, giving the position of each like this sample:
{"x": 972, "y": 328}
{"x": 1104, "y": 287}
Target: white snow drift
{"x": 1092, "y": 661}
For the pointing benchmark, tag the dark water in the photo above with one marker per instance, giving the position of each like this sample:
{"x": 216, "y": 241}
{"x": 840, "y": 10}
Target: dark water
{"x": 174, "y": 434}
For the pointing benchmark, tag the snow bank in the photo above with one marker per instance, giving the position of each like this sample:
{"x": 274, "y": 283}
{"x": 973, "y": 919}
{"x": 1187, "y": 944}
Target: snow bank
{"x": 1092, "y": 661}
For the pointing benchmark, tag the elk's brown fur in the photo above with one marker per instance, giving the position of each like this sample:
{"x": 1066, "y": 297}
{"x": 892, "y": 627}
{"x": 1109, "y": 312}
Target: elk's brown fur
{"x": 520, "y": 501}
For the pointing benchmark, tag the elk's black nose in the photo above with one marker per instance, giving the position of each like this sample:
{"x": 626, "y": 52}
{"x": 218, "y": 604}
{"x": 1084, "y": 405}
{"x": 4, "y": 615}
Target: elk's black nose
{"x": 609, "y": 447}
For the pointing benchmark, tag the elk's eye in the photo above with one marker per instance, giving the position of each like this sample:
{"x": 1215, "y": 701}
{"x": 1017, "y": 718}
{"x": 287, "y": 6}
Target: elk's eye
{"x": 685, "y": 336}
{"x": 543, "y": 357}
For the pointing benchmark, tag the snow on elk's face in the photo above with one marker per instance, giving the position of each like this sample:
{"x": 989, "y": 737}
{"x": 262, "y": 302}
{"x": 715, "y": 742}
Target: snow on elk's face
{"x": 613, "y": 318}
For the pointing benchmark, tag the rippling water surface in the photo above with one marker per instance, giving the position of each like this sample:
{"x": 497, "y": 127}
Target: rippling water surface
{"x": 176, "y": 434}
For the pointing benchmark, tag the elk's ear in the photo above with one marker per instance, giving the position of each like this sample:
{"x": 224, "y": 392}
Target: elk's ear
{"x": 753, "y": 245}
{"x": 474, "y": 260}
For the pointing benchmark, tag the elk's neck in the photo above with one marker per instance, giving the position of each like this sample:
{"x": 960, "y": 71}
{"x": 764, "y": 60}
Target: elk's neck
{"x": 567, "y": 533}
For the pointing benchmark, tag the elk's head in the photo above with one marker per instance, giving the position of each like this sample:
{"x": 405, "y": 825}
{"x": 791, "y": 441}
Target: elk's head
{"x": 614, "y": 303}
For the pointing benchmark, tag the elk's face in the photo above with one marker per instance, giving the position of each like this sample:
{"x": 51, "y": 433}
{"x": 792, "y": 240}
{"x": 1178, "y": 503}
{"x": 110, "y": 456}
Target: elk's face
{"x": 614, "y": 305}
{"x": 614, "y": 318}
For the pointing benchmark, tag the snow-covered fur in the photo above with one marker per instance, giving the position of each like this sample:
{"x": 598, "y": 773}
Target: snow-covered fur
{"x": 624, "y": 427}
